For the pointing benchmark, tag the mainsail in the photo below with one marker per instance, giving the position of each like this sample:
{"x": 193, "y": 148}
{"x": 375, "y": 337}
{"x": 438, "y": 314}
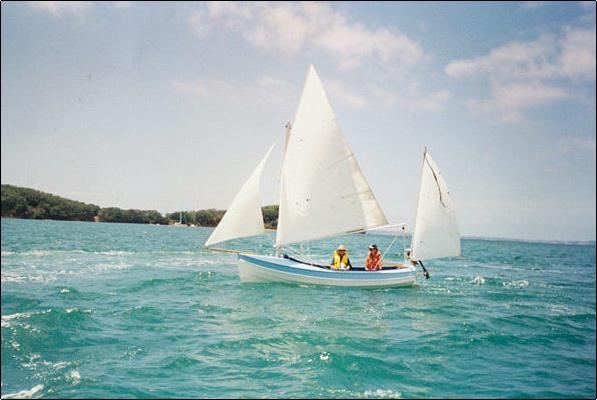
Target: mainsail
{"x": 436, "y": 230}
{"x": 323, "y": 191}
{"x": 243, "y": 217}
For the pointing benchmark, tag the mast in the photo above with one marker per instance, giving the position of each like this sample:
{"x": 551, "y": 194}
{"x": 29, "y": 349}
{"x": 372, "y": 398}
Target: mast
{"x": 288, "y": 127}
{"x": 412, "y": 238}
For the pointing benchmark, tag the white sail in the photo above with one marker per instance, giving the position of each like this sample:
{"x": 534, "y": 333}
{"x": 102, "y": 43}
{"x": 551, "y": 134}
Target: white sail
{"x": 323, "y": 191}
{"x": 436, "y": 231}
{"x": 244, "y": 216}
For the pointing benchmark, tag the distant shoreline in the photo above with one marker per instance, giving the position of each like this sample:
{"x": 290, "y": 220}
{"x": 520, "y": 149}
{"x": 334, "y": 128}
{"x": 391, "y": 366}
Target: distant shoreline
{"x": 27, "y": 203}
{"x": 540, "y": 241}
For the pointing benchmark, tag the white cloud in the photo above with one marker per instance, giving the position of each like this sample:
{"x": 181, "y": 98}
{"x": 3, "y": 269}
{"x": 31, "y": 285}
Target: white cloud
{"x": 525, "y": 75}
{"x": 570, "y": 55}
{"x": 269, "y": 90}
{"x": 412, "y": 98}
{"x": 342, "y": 94}
{"x": 59, "y": 8}
{"x": 223, "y": 8}
{"x": 77, "y": 8}
{"x": 279, "y": 28}
{"x": 523, "y": 95}
{"x": 508, "y": 101}
{"x": 272, "y": 90}
{"x": 199, "y": 23}
{"x": 292, "y": 29}
{"x": 577, "y": 59}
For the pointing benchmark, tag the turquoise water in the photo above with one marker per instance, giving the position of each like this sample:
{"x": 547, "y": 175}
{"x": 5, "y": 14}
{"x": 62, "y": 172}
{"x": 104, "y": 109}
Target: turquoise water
{"x": 117, "y": 310}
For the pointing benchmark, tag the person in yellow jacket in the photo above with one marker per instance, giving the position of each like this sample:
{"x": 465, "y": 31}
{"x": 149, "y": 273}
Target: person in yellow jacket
{"x": 340, "y": 260}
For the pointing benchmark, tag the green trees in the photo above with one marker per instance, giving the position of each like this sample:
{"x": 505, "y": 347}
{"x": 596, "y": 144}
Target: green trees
{"x": 209, "y": 217}
{"x": 212, "y": 217}
{"x": 270, "y": 216}
{"x": 113, "y": 214}
{"x": 19, "y": 202}
{"x": 27, "y": 203}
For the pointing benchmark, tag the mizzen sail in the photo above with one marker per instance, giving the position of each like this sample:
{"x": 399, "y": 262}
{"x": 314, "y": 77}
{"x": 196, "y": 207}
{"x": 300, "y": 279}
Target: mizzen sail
{"x": 436, "y": 231}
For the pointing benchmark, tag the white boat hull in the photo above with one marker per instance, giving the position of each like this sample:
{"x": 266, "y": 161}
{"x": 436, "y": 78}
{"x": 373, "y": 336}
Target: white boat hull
{"x": 256, "y": 269}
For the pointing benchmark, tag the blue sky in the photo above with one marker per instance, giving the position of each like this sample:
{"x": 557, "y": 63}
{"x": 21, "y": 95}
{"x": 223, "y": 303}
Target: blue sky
{"x": 170, "y": 106}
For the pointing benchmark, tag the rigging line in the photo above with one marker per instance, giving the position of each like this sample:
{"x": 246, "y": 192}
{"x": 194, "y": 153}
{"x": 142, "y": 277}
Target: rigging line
{"x": 388, "y": 248}
{"x": 404, "y": 241}
{"x": 369, "y": 191}
{"x": 437, "y": 183}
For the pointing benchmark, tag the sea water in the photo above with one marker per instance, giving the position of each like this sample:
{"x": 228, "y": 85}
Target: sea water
{"x": 125, "y": 310}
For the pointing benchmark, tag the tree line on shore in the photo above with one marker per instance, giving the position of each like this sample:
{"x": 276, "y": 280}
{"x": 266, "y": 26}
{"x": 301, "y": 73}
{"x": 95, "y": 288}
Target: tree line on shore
{"x": 20, "y": 202}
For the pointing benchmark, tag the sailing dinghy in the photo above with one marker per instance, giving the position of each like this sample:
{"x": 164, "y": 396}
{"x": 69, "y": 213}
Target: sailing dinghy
{"x": 323, "y": 193}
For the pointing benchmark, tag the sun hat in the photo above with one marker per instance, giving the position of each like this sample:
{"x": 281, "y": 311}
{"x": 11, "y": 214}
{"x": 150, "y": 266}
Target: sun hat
{"x": 341, "y": 247}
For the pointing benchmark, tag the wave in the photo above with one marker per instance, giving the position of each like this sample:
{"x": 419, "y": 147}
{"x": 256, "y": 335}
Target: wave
{"x": 47, "y": 253}
{"x": 106, "y": 267}
{"x": 51, "y": 317}
{"x": 24, "y": 394}
{"x": 74, "y": 376}
{"x": 6, "y": 319}
{"x": 367, "y": 394}
{"x": 157, "y": 282}
{"x": 52, "y": 276}
{"x": 516, "y": 284}
{"x": 382, "y": 394}
{"x": 11, "y": 276}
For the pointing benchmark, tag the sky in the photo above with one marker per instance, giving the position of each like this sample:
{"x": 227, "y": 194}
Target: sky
{"x": 170, "y": 106}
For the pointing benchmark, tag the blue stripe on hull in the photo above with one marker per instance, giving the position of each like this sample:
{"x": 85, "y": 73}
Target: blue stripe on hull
{"x": 291, "y": 267}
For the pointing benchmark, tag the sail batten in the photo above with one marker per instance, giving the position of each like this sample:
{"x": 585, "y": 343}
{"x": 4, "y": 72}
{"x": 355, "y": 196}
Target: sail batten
{"x": 436, "y": 232}
{"x": 323, "y": 191}
{"x": 244, "y": 216}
